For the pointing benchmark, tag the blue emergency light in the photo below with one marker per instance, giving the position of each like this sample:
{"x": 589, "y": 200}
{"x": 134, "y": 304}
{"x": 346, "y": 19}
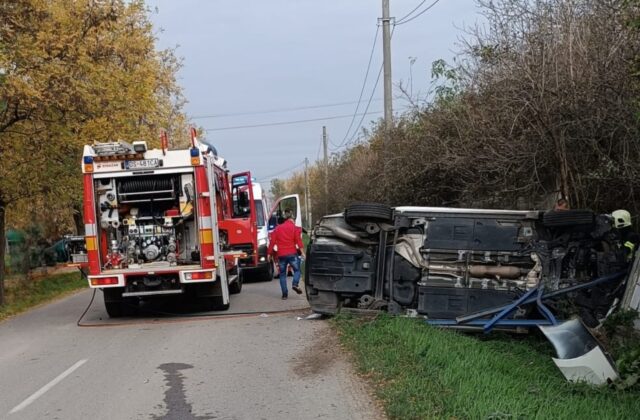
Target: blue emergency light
{"x": 88, "y": 160}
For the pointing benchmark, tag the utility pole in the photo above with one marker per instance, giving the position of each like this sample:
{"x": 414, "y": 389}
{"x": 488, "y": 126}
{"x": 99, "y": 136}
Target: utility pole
{"x": 307, "y": 198}
{"x": 388, "y": 109}
{"x": 386, "y": 56}
{"x": 326, "y": 169}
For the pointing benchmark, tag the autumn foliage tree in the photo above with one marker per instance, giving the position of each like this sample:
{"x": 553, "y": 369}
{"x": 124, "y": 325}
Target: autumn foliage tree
{"x": 73, "y": 72}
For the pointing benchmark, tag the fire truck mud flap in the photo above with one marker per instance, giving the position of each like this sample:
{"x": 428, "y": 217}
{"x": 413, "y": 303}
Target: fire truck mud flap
{"x": 580, "y": 356}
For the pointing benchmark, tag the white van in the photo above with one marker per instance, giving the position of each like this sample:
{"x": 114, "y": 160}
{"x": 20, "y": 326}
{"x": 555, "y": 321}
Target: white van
{"x": 264, "y": 269}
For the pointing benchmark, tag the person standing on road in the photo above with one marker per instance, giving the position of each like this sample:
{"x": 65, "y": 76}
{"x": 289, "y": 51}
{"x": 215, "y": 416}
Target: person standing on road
{"x": 286, "y": 241}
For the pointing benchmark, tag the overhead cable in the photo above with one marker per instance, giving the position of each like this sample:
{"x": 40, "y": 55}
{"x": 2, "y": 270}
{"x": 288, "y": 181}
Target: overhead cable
{"x": 411, "y": 12}
{"x": 403, "y": 20}
{"x": 281, "y": 172}
{"x": 332, "y": 117}
{"x": 364, "y": 84}
{"x": 375, "y": 86}
{"x": 276, "y": 110}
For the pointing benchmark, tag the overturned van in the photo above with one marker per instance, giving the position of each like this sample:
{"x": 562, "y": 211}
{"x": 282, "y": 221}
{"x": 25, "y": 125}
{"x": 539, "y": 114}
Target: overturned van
{"x": 463, "y": 267}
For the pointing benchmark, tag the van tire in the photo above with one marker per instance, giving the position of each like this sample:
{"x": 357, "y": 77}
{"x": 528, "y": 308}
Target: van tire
{"x": 359, "y": 212}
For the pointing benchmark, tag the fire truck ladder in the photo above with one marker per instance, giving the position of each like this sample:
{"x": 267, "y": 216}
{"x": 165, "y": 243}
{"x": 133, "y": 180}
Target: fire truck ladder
{"x": 113, "y": 148}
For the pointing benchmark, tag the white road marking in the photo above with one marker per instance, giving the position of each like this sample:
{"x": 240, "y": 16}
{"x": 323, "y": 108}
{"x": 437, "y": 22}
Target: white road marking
{"x": 39, "y": 393}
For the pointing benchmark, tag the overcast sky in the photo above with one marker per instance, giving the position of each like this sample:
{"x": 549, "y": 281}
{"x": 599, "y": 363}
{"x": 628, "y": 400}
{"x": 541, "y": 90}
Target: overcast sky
{"x": 255, "y": 56}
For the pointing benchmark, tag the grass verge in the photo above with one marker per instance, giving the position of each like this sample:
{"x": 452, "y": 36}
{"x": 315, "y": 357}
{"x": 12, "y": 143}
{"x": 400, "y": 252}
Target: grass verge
{"x": 421, "y": 372}
{"x": 22, "y": 295}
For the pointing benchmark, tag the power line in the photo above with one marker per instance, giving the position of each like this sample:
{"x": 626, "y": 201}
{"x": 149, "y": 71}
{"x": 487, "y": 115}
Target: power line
{"x": 281, "y": 172}
{"x": 409, "y": 14}
{"x": 375, "y": 86}
{"x": 333, "y": 117}
{"x": 364, "y": 84}
{"x": 402, "y": 22}
{"x": 273, "y": 111}
{"x": 405, "y": 19}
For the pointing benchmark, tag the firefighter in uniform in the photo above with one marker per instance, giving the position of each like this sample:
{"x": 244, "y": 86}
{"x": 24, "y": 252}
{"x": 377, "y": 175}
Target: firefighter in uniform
{"x": 628, "y": 237}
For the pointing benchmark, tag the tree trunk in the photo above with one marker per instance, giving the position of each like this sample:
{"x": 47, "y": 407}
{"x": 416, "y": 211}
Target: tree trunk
{"x": 3, "y": 248}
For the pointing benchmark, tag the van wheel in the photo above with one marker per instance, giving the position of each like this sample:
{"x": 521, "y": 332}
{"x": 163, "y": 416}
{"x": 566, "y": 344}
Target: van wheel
{"x": 359, "y": 212}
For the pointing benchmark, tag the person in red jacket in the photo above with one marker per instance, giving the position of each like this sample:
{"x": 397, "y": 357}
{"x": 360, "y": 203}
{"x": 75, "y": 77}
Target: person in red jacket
{"x": 286, "y": 241}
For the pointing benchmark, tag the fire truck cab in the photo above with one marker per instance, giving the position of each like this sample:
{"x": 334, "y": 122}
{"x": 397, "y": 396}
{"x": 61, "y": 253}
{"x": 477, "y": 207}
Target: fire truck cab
{"x": 153, "y": 224}
{"x": 245, "y": 191}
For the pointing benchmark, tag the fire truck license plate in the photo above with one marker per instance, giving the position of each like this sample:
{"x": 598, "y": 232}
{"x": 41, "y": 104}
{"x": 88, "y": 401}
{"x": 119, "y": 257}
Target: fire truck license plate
{"x": 141, "y": 164}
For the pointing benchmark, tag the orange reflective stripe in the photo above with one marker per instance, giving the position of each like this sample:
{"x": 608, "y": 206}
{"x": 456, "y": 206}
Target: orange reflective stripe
{"x": 92, "y": 243}
{"x": 206, "y": 236}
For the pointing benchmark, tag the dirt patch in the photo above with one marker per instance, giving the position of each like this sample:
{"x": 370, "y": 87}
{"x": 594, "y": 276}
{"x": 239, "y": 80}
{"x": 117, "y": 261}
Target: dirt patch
{"x": 324, "y": 356}
{"x": 319, "y": 355}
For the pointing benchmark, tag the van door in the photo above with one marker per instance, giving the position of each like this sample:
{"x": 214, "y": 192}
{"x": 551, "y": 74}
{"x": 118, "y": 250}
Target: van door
{"x": 291, "y": 202}
{"x": 276, "y": 217}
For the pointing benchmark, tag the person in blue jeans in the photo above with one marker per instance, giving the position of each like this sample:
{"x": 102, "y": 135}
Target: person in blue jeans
{"x": 286, "y": 241}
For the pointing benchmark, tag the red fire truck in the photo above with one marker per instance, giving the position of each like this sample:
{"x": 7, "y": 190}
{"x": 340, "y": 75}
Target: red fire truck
{"x": 164, "y": 222}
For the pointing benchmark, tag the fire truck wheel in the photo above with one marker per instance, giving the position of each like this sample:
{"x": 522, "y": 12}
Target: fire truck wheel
{"x": 116, "y": 306}
{"x": 113, "y": 302}
{"x": 217, "y": 305}
{"x": 114, "y": 309}
{"x": 267, "y": 273}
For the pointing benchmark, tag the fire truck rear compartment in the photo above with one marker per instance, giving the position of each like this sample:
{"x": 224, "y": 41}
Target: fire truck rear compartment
{"x": 147, "y": 221}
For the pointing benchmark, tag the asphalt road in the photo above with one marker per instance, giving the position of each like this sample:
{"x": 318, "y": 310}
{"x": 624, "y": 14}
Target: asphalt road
{"x": 183, "y": 366}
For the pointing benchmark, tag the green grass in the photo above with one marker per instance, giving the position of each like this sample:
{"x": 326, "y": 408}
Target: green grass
{"x": 421, "y": 372}
{"x": 23, "y": 295}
